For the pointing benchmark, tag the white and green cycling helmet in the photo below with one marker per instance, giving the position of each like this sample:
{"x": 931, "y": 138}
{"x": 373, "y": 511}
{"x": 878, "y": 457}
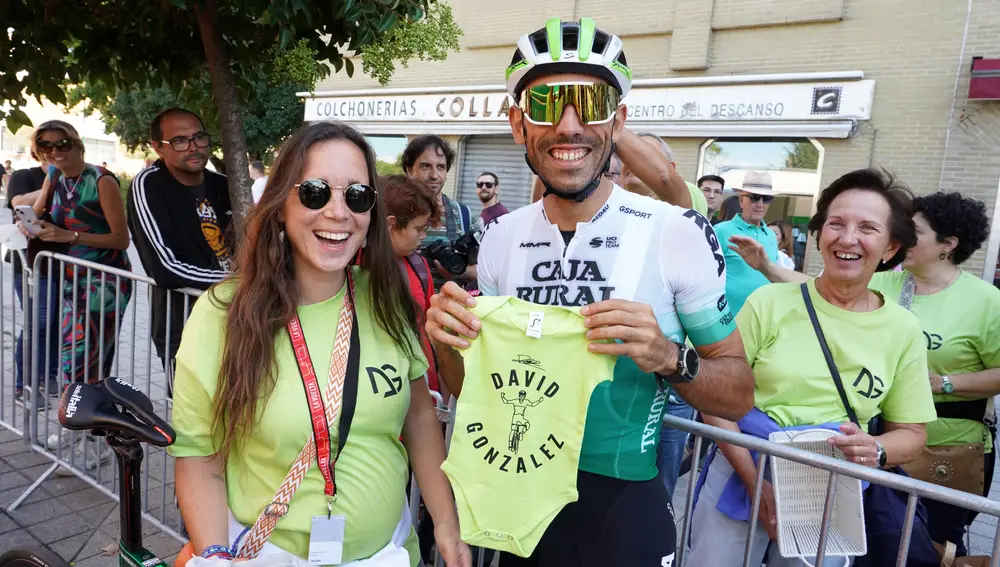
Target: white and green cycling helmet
{"x": 569, "y": 47}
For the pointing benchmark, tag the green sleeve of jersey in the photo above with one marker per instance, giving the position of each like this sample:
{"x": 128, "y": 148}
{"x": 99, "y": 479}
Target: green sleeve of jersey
{"x": 698, "y": 201}
{"x": 909, "y": 399}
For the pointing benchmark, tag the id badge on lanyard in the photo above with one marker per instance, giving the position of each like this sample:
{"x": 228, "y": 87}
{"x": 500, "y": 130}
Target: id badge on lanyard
{"x": 326, "y": 536}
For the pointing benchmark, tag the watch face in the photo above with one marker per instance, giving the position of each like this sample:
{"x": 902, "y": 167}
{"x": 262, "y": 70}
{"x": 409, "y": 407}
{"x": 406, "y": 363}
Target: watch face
{"x": 692, "y": 362}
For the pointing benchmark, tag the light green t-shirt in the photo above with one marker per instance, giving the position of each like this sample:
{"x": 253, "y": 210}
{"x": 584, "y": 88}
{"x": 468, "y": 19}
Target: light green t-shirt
{"x": 371, "y": 471}
{"x": 520, "y": 421}
{"x": 961, "y": 325}
{"x": 880, "y": 355}
{"x": 698, "y": 200}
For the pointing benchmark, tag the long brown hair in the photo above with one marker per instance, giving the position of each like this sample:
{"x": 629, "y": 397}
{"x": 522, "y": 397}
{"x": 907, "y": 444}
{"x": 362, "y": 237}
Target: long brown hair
{"x": 266, "y": 295}
{"x": 784, "y": 237}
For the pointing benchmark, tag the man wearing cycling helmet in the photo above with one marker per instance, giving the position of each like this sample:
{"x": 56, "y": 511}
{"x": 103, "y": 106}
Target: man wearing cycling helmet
{"x": 647, "y": 274}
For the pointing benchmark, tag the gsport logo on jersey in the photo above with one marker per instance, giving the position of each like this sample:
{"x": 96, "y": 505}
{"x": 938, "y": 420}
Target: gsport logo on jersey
{"x": 713, "y": 241}
{"x": 522, "y": 447}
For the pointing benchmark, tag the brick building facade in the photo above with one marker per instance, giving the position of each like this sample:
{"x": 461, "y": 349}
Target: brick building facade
{"x": 707, "y": 70}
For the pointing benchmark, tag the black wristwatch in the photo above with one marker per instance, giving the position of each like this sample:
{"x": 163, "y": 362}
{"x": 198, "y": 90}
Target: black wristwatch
{"x": 688, "y": 366}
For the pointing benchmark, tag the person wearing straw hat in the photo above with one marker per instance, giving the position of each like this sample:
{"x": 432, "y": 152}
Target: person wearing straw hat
{"x": 756, "y": 195}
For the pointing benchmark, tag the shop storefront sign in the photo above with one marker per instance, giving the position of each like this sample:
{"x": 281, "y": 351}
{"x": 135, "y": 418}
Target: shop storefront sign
{"x": 711, "y": 103}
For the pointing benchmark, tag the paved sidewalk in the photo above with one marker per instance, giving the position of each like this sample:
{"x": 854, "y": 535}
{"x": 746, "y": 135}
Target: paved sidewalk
{"x": 64, "y": 514}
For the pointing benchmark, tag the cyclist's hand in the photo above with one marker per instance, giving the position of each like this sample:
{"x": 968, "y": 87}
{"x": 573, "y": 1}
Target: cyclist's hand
{"x": 453, "y": 550}
{"x": 449, "y": 321}
{"x": 768, "y": 513}
{"x": 635, "y": 325}
{"x": 750, "y": 250}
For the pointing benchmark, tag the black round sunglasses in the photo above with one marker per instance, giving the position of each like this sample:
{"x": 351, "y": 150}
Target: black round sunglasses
{"x": 315, "y": 194}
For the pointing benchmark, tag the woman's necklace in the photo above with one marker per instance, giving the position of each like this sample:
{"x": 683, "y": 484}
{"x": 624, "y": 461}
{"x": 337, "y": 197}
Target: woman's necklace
{"x": 71, "y": 191}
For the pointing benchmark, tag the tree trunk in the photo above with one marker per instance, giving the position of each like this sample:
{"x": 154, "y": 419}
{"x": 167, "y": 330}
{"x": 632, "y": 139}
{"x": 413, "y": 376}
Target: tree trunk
{"x": 234, "y": 145}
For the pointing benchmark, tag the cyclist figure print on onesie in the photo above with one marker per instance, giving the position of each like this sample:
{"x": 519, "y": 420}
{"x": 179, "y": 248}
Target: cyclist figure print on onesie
{"x": 519, "y": 424}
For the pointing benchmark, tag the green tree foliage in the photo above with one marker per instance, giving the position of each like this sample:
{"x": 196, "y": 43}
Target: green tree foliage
{"x": 124, "y": 43}
{"x": 801, "y": 155}
{"x": 271, "y": 109}
{"x": 386, "y": 168}
{"x": 427, "y": 39}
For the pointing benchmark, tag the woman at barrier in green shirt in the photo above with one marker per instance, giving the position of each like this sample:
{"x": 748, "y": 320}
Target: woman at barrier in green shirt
{"x": 276, "y": 454}
{"x": 960, "y": 317}
{"x": 862, "y": 224}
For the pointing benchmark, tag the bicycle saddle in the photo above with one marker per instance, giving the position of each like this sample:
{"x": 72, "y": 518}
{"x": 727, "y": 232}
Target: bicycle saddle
{"x": 113, "y": 405}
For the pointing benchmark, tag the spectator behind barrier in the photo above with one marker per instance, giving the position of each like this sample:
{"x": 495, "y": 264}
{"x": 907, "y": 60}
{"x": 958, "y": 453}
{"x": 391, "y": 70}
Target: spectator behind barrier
{"x": 786, "y": 247}
{"x": 960, "y": 315}
{"x": 240, "y": 413}
{"x": 712, "y": 186}
{"x": 488, "y": 191}
{"x": 179, "y": 216}
{"x": 80, "y": 207}
{"x": 862, "y": 225}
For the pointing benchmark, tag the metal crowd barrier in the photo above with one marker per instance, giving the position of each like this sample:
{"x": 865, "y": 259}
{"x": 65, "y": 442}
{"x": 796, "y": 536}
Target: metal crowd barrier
{"x": 12, "y": 319}
{"x": 119, "y": 328}
{"x": 914, "y": 488}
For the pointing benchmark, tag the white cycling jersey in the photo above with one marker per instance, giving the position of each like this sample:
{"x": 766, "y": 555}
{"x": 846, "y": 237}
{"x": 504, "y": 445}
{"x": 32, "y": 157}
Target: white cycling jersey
{"x": 637, "y": 249}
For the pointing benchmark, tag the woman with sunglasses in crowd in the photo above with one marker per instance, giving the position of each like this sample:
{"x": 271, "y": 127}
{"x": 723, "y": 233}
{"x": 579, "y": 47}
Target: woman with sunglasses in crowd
{"x": 258, "y": 415}
{"x": 960, "y": 316}
{"x": 82, "y": 213}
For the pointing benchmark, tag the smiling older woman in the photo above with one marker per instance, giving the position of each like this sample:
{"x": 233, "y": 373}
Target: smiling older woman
{"x": 862, "y": 224}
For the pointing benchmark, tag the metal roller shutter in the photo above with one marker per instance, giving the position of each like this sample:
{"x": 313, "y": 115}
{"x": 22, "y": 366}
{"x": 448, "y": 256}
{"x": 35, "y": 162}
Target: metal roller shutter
{"x": 500, "y": 155}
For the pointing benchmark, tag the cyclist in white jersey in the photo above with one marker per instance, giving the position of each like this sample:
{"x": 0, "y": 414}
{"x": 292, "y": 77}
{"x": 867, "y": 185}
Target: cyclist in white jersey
{"x": 648, "y": 275}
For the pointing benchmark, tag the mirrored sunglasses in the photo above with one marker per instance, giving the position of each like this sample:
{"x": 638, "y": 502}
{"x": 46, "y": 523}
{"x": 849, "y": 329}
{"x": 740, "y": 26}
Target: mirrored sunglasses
{"x": 315, "y": 194}
{"x": 545, "y": 104}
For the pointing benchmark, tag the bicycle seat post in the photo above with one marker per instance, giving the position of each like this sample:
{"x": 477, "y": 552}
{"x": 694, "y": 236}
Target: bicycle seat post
{"x": 129, "y": 455}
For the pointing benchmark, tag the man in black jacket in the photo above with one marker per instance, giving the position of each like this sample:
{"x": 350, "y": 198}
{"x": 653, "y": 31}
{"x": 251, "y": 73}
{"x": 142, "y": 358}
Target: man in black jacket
{"x": 179, "y": 216}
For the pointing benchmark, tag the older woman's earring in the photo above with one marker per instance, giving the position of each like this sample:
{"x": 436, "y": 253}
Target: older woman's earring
{"x": 942, "y": 256}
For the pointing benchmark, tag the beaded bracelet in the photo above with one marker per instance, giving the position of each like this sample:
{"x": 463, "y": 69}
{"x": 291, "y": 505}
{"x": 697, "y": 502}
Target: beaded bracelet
{"x": 219, "y": 551}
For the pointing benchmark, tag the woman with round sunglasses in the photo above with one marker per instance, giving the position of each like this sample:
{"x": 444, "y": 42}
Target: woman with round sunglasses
{"x": 301, "y": 373}
{"x": 82, "y": 215}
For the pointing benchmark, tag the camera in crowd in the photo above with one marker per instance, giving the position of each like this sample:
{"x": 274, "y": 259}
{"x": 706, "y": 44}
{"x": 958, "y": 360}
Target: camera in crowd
{"x": 455, "y": 257}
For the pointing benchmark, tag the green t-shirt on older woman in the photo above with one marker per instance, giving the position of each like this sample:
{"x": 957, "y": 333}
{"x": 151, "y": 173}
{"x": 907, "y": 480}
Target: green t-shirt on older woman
{"x": 372, "y": 469}
{"x": 961, "y": 328}
{"x": 880, "y": 356}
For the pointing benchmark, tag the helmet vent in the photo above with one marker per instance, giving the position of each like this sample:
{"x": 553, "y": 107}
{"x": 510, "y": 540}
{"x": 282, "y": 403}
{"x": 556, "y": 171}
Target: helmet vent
{"x": 571, "y": 38}
{"x": 540, "y": 42}
{"x": 621, "y": 59}
{"x": 518, "y": 57}
{"x": 600, "y": 42}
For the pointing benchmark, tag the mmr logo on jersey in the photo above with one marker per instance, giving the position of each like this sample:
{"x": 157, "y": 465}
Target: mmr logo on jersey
{"x": 525, "y": 447}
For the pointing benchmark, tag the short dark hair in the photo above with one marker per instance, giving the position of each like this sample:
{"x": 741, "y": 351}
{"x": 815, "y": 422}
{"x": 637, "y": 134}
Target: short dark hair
{"x": 258, "y": 166}
{"x": 407, "y": 199}
{"x": 496, "y": 180}
{"x": 901, "y": 228}
{"x": 715, "y": 178}
{"x": 156, "y": 126}
{"x": 420, "y": 144}
{"x": 951, "y": 214}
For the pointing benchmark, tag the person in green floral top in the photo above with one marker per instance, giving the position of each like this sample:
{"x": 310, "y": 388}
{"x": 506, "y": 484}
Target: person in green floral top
{"x": 81, "y": 209}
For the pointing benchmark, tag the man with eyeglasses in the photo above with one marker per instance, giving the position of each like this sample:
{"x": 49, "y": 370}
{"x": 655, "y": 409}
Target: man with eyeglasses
{"x": 488, "y": 191}
{"x": 712, "y": 186}
{"x": 645, "y": 276}
{"x": 755, "y": 198}
{"x": 179, "y": 216}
